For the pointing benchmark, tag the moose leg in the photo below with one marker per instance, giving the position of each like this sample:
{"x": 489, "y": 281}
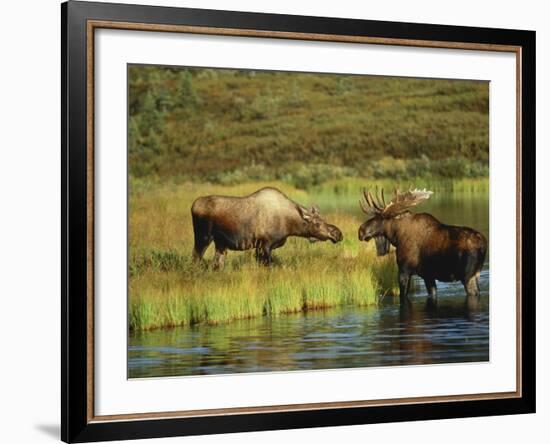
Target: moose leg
{"x": 404, "y": 284}
{"x": 472, "y": 292}
{"x": 471, "y": 280}
{"x": 199, "y": 248}
{"x": 263, "y": 254}
{"x": 432, "y": 291}
{"x": 203, "y": 238}
{"x": 268, "y": 257}
{"x": 219, "y": 257}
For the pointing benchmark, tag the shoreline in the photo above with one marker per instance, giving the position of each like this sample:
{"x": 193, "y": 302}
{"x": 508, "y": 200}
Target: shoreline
{"x": 167, "y": 290}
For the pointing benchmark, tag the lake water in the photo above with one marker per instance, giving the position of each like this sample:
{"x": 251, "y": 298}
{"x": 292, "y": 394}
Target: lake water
{"x": 343, "y": 337}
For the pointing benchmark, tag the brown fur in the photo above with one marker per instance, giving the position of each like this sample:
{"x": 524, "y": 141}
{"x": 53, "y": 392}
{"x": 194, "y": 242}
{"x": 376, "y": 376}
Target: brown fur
{"x": 431, "y": 250}
{"x": 262, "y": 221}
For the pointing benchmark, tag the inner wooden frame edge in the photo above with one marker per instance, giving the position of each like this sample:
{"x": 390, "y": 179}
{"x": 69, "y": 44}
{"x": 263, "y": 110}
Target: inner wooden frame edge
{"x": 95, "y": 24}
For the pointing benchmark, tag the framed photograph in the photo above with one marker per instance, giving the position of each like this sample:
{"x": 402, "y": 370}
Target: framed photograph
{"x": 276, "y": 221}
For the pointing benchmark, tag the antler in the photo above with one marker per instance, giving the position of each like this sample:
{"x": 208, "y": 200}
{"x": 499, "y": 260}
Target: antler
{"x": 406, "y": 200}
{"x": 372, "y": 206}
{"x": 399, "y": 204}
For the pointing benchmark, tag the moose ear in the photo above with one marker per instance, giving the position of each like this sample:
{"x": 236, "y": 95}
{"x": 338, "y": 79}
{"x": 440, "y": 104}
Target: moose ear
{"x": 314, "y": 209}
{"x": 304, "y": 213}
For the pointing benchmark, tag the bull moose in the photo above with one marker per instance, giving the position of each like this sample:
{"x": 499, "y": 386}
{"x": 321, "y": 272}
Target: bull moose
{"x": 262, "y": 221}
{"x": 424, "y": 246}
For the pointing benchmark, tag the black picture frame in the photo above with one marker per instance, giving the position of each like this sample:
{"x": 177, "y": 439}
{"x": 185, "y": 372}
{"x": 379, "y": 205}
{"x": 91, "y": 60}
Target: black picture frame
{"x": 76, "y": 424}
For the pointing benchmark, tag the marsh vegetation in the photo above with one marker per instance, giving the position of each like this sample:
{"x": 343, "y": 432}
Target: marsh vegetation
{"x": 166, "y": 288}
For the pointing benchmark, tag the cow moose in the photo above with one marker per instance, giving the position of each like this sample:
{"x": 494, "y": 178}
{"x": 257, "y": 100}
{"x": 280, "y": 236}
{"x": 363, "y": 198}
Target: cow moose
{"x": 262, "y": 221}
{"x": 424, "y": 246}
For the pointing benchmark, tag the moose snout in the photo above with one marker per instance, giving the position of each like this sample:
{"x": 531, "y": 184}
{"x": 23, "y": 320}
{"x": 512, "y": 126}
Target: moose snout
{"x": 335, "y": 234}
{"x": 362, "y": 234}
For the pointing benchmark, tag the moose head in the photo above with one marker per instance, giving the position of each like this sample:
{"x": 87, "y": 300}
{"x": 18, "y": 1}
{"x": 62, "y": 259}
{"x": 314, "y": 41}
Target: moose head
{"x": 380, "y": 212}
{"x": 317, "y": 228}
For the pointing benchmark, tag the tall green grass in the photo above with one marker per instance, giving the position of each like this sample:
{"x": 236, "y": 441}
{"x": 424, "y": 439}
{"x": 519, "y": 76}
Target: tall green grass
{"x": 165, "y": 300}
{"x": 167, "y": 289}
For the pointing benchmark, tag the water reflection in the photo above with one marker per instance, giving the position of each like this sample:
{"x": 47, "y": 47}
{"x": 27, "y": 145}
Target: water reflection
{"x": 337, "y": 338}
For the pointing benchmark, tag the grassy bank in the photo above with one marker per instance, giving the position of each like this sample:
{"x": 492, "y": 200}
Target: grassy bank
{"x": 166, "y": 289}
{"x": 183, "y": 297}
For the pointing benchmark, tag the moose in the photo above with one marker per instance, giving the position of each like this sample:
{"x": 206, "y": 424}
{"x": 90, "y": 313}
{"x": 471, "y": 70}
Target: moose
{"x": 424, "y": 246}
{"x": 262, "y": 221}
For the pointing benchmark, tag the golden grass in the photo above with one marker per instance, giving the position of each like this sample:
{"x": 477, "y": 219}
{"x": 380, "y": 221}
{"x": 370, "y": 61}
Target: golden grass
{"x": 167, "y": 289}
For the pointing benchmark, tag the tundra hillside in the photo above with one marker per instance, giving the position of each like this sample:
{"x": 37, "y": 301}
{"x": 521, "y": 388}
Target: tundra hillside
{"x": 319, "y": 139}
{"x": 228, "y": 126}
